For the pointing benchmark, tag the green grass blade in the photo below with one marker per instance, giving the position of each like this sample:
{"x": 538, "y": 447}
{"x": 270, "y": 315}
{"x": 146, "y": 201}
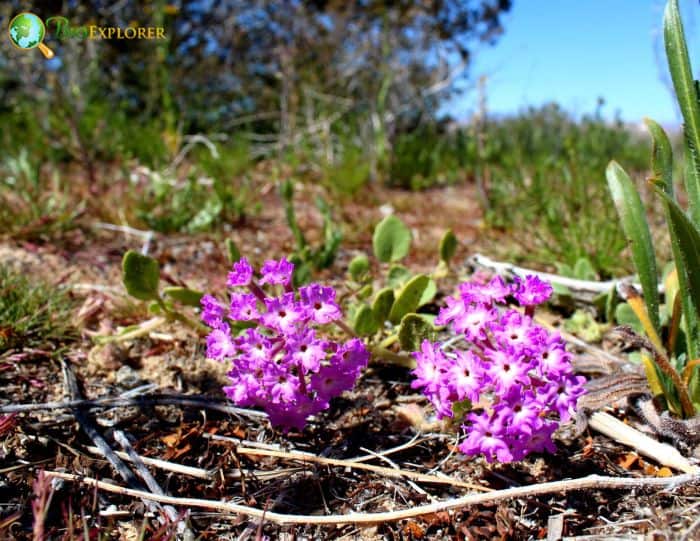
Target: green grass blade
{"x": 634, "y": 224}
{"x": 687, "y": 94}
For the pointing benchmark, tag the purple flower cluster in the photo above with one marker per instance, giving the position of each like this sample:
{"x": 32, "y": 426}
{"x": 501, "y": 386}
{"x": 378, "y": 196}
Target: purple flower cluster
{"x": 282, "y": 363}
{"x": 516, "y": 375}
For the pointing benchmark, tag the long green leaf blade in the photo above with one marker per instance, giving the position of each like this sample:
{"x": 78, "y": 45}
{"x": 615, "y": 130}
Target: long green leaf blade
{"x": 687, "y": 94}
{"x": 685, "y": 242}
{"x": 634, "y": 224}
{"x": 661, "y": 156}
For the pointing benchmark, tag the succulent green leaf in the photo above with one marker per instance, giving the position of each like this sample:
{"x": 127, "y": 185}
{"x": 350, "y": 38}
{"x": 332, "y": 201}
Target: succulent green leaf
{"x": 448, "y": 246}
{"x": 414, "y": 329}
{"x": 365, "y": 323}
{"x": 686, "y": 92}
{"x": 409, "y": 297}
{"x": 365, "y": 292}
{"x": 359, "y": 267}
{"x": 232, "y": 251}
{"x": 382, "y": 304}
{"x": 685, "y": 239}
{"x": 397, "y": 276}
{"x": 184, "y": 295}
{"x": 429, "y": 293}
{"x": 140, "y": 275}
{"x": 391, "y": 240}
{"x": 661, "y": 156}
{"x": 633, "y": 218}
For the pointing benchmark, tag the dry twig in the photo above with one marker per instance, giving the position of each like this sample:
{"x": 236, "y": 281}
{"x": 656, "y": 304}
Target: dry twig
{"x": 164, "y": 399}
{"x": 592, "y": 482}
{"x": 387, "y": 472}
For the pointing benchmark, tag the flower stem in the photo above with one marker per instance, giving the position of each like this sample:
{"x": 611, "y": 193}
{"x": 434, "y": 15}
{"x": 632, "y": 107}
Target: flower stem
{"x": 346, "y": 328}
{"x": 390, "y": 357}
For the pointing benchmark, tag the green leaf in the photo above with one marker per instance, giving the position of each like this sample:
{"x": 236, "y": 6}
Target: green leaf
{"x": 429, "y": 293}
{"x": 690, "y": 323}
{"x": 287, "y": 190}
{"x": 633, "y": 218}
{"x": 232, "y": 251}
{"x": 382, "y": 304}
{"x": 414, "y": 329}
{"x": 359, "y": 267}
{"x": 561, "y": 290}
{"x": 686, "y": 92}
{"x": 332, "y": 237}
{"x": 583, "y": 324}
{"x": 238, "y": 326}
{"x": 391, "y": 240}
{"x": 287, "y": 193}
{"x": 564, "y": 270}
{"x": 685, "y": 241}
{"x": 448, "y": 246}
{"x": 207, "y": 215}
{"x": 583, "y": 269}
{"x": 397, "y": 276}
{"x": 461, "y": 408}
{"x": 661, "y": 156}
{"x": 365, "y": 292}
{"x": 140, "y": 275}
{"x": 409, "y": 297}
{"x": 184, "y": 295}
{"x": 610, "y": 304}
{"x": 302, "y": 273}
{"x": 624, "y": 315}
{"x": 365, "y": 323}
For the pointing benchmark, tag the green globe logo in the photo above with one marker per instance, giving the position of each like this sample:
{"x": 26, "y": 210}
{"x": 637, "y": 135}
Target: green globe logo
{"x": 27, "y": 31}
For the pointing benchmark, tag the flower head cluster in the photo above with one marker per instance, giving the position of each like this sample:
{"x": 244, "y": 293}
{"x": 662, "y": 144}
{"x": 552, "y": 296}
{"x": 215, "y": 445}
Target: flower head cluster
{"x": 516, "y": 375}
{"x": 282, "y": 362}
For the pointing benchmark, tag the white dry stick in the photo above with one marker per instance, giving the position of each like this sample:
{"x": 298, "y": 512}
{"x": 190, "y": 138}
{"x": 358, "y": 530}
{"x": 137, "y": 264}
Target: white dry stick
{"x": 586, "y": 288}
{"x": 661, "y": 452}
{"x": 147, "y": 236}
{"x": 592, "y": 482}
{"x": 163, "y": 465}
{"x": 387, "y": 472}
{"x": 145, "y": 475}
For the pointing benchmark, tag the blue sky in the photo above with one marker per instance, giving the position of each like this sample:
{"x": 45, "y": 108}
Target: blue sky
{"x": 574, "y": 51}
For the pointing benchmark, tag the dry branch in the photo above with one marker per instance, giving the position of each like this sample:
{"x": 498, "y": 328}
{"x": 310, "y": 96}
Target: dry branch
{"x": 165, "y": 465}
{"x": 195, "y": 401}
{"x": 584, "y": 289}
{"x": 93, "y": 433}
{"x": 592, "y": 482}
{"x": 387, "y": 472}
{"x": 661, "y": 452}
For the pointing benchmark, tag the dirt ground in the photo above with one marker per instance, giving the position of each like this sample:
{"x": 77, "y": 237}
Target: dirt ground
{"x": 236, "y": 457}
